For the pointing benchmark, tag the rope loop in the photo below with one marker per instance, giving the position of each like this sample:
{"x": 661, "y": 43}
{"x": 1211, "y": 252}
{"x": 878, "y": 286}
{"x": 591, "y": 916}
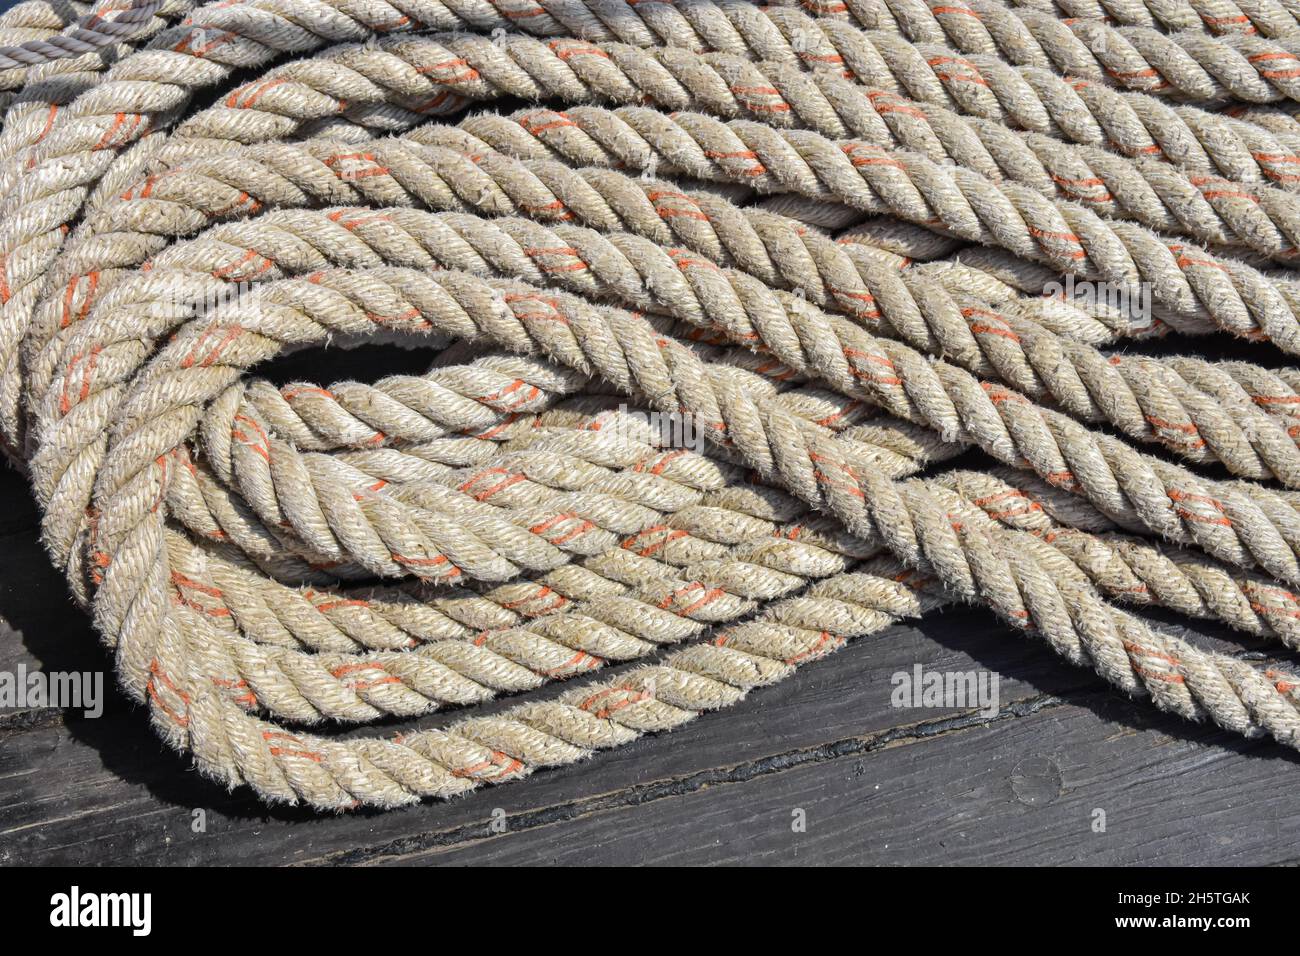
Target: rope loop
{"x": 711, "y": 294}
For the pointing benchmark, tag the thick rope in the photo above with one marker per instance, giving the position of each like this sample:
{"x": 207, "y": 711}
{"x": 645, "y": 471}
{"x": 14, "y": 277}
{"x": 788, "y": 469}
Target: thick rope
{"x": 1146, "y": 399}
{"x": 89, "y": 35}
{"x": 1188, "y": 64}
{"x": 1130, "y": 569}
{"x": 97, "y": 141}
{"x": 1243, "y": 525}
{"x": 1198, "y": 587}
{"x": 1249, "y": 17}
{"x": 1210, "y": 209}
{"x": 1066, "y": 236}
{"x": 839, "y": 244}
{"x": 902, "y": 533}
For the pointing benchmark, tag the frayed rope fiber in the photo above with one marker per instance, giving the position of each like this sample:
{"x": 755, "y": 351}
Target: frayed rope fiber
{"x": 820, "y": 239}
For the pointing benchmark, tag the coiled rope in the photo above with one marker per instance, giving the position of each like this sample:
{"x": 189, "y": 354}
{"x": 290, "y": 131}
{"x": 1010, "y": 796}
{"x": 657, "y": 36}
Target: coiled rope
{"x": 819, "y": 234}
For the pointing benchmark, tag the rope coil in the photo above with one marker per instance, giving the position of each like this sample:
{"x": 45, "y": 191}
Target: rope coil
{"x": 814, "y": 240}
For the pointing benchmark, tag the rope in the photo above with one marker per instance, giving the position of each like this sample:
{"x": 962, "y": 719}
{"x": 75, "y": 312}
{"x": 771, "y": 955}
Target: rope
{"x": 917, "y": 525}
{"x": 1188, "y": 64}
{"x": 1065, "y": 236}
{"x": 1210, "y": 209}
{"x": 1268, "y": 19}
{"x": 836, "y": 243}
{"x": 89, "y": 35}
{"x": 1257, "y": 526}
{"x": 1130, "y": 569}
{"x": 95, "y": 138}
{"x": 1146, "y": 399}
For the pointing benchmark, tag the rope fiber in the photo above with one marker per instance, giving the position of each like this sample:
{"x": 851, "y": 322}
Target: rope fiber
{"x": 717, "y": 292}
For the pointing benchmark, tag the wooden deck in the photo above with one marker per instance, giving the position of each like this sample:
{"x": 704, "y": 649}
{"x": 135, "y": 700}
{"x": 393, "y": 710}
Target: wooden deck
{"x": 876, "y": 784}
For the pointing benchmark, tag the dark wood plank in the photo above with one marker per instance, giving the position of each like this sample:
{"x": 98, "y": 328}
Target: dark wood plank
{"x": 82, "y": 790}
{"x": 1021, "y": 790}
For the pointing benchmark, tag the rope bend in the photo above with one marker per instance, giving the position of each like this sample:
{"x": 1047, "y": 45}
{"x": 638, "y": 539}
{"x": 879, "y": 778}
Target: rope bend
{"x": 223, "y": 533}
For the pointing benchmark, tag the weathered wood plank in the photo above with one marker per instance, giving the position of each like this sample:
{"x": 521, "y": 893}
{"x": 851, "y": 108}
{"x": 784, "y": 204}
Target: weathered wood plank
{"x": 1020, "y": 791}
{"x": 86, "y": 790}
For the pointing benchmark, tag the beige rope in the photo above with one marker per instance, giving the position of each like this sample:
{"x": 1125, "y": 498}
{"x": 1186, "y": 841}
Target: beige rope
{"x": 94, "y": 134}
{"x": 837, "y": 297}
{"x": 1246, "y": 525}
{"x": 118, "y": 533}
{"x": 1190, "y": 583}
{"x": 1268, "y": 19}
{"x": 89, "y": 35}
{"x": 1189, "y": 64}
{"x": 1130, "y": 569}
{"x": 1146, "y": 399}
{"x": 1068, "y": 237}
{"x": 1156, "y": 194}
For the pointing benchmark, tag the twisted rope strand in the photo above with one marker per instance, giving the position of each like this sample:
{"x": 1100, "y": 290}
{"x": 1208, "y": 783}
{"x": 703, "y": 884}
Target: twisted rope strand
{"x": 285, "y": 682}
{"x": 898, "y": 532}
{"x": 1121, "y": 566}
{"x": 329, "y": 773}
{"x": 345, "y": 81}
{"x": 1130, "y": 569}
{"x": 1239, "y": 524}
{"x": 1065, "y": 236}
{"x": 89, "y": 35}
{"x": 395, "y": 683}
{"x": 1249, "y": 17}
{"x": 165, "y": 701}
{"x": 98, "y": 144}
{"x": 246, "y": 452}
{"x": 1188, "y": 64}
{"x": 623, "y": 604}
{"x": 840, "y": 242}
{"x": 1186, "y": 582}
{"x": 27, "y": 21}
{"x": 843, "y": 275}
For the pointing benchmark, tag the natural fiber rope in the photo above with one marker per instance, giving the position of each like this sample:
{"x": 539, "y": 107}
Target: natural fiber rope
{"x": 225, "y": 534}
{"x": 89, "y": 35}
{"x": 1210, "y": 209}
{"x": 611, "y": 627}
{"x": 317, "y": 402}
{"x": 1255, "y": 606}
{"x": 1066, "y": 236}
{"x": 918, "y": 526}
{"x": 1269, "y": 19}
{"x": 1146, "y": 399}
{"x": 1187, "y": 64}
{"x": 755, "y": 33}
{"x": 1241, "y": 525}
